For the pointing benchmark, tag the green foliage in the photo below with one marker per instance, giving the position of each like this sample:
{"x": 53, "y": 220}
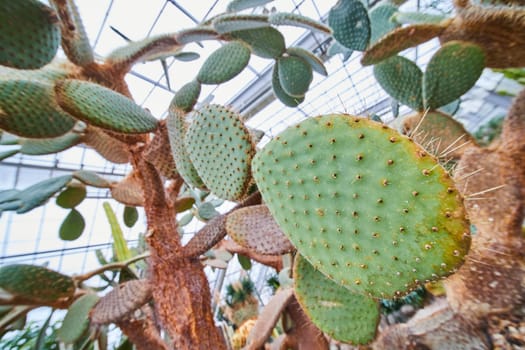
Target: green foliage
{"x": 28, "y": 338}
{"x": 401, "y": 79}
{"x": 297, "y": 20}
{"x": 451, "y": 72}
{"x": 76, "y": 321}
{"x": 239, "y": 5}
{"x": 120, "y": 245}
{"x": 266, "y": 42}
{"x": 49, "y": 145}
{"x": 220, "y": 148}
{"x": 295, "y": 75}
{"x": 279, "y": 92}
{"x": 225, "y": 63}
{"x": 489, "y": 131}
{"x": 30, "y": 34}
{"x": 381, "y": 21}
{"x": 239, "y": 291}
{"x": 187, "y": 96}
{"x": 415, "y": 298}
{"x": 350, "y": 24}
{"x": 28, "y": 108}
{"x": 35, "y": 284}
{"x": 365, "y": 205}
{"x": 72, "y": 226}
{"x": 72, "y": 196}
{"x": 343, "y": 315}
{"x": 313, "y": 60}
{"x": 130, "y": 216}
{"x": 103, "y": 107}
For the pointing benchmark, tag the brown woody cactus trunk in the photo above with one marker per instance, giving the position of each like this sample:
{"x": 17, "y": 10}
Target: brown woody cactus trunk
{"x": 180, "y": 287}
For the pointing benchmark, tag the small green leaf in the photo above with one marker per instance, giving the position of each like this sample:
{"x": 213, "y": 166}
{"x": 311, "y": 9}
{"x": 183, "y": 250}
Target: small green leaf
{"x": 183, "y": 204}
{"x": 131, "y": 215}
{"x": 40, "y": 343}
{"x": 7, "y": 154}
{"x": 120, "y": 245}
{"x": 76, "y": 321}
{"x": 72, "y": 196}
{"x": 185, "y": 219}
{"x": 72, "y": 226}
{"x": 37, "y": 194}
{"x": 244, "y": 261}
{"x": 207, "y": 211}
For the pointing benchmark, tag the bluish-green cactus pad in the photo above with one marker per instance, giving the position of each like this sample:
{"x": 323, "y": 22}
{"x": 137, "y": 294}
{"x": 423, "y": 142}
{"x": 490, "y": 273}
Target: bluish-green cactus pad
{"x": 365, "y": 205}
{"x": 343, "y": 315}
{"x": 224, "y": 63}
{"x": 350, "y": 24}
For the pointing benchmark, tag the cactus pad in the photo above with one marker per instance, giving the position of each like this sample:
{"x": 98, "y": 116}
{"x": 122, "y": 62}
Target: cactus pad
{"x": 401, "y": 78}
{"x": 220, "y": 147}
{"x": 76, "y": 321}
{"x": 233, "y": 22}
{"x": 103, "y": 107}
{"x": 239, "y": 5}
{"x": 158, "y": 153}
{"x": 196, "y": 34}
{"x": 28, "y": 109}
{"x": 282, "y": 95}
{"x": 91, "y": 178}
{"x": 350, "y": 24}
{"x": 381, "y": 21}
{"x": 365, "y": 205}
{"x": 439, "y": 133}
{"x": 49, "y": 145}
{"x": 399, "y": 40}
{"x": 72, "y": 226}
{"x": 129, "y": 190}
{"x": 29, "y": 34}
{"x": 295, "y": 75}
{"x": 36, "y": 284}
{"x": 187, "y": 96}
{"x": 297, "y": 20}
{"x": 121, "y": 301}
{"x": 254, "y": 228}
{"x": 225, "y": 63}
{"x": 37, "y": 194}
{"x": 72, "y": 196}
{"x": 343, "y": 315}
{"x": 266, "y": 42}
{"x": 451, "y": 72}
{"x": 313, "y": 60}
{"x": 107, "y": 146}
{"x": 176, "y": 124}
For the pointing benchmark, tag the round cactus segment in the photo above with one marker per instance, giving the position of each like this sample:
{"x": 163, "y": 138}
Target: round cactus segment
{"x": 29, "y": 34}
{"x": 282, "y": 95}
{"x": 103, "y": 107}
{"x": 220, "y": 147}
{"x": 343, "y": 315}
{"x": 401, "y": 78}
{"x": 350, "y": 24}
{"x": 295, "y": 75}
{"x": 187, "y": 96}
{"x": 225, "y": 63}
{"x": 28, "y": 109}
{"x": 381, "y": 21}
{"x": 364, "y": 204}
{"x": 266, "y": 42}
{"x": 254, "y": 227}
{"x": 400, "y": 39}
{"x": 35, "y": 284}
{"x": 451, "y": 72}
{"x": 177, "y": 128}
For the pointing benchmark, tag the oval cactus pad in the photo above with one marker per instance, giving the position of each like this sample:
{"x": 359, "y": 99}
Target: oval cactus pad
{"x": 220, "y": 148}
{"x": 365, "y": 205}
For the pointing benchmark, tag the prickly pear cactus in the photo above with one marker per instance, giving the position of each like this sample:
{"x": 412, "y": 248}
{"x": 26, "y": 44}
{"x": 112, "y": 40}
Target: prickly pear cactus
{"x": 220, "y": 147}
{"x": 343, "y": 315}
{"x": 29, "y": 34}
{"x": 225, "y": 63}
{"x": 36, "y": 284}
{"x": 363, "y": 204}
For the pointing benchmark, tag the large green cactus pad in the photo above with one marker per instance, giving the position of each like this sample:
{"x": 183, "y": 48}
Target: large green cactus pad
{"x": 266, "y": 42}
{"x": 225, "y": 63}
{"x": 177, "y": 128}
{"x": 29, "y": 109}
{"x": 36, "y": 284}
{"x": 365, "y": 205}
{"x": 220, "y": 147}
{"x": 103, "y": 107}
{"x": 314, "y": 61}
{"x": 350, "y": 24}
{"x": 187, "y": 96}
{"x": 343, "y": 315}
{"x": 451, "y": 72}
{"x": 37, "y": 194}
{"x": 29, "y": 34}
{"x": 401, "y": 78}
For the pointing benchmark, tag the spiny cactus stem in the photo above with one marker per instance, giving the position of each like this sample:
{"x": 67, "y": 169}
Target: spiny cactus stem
{"x": 114, "y": 266}
{"x": 149, "y": 337}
